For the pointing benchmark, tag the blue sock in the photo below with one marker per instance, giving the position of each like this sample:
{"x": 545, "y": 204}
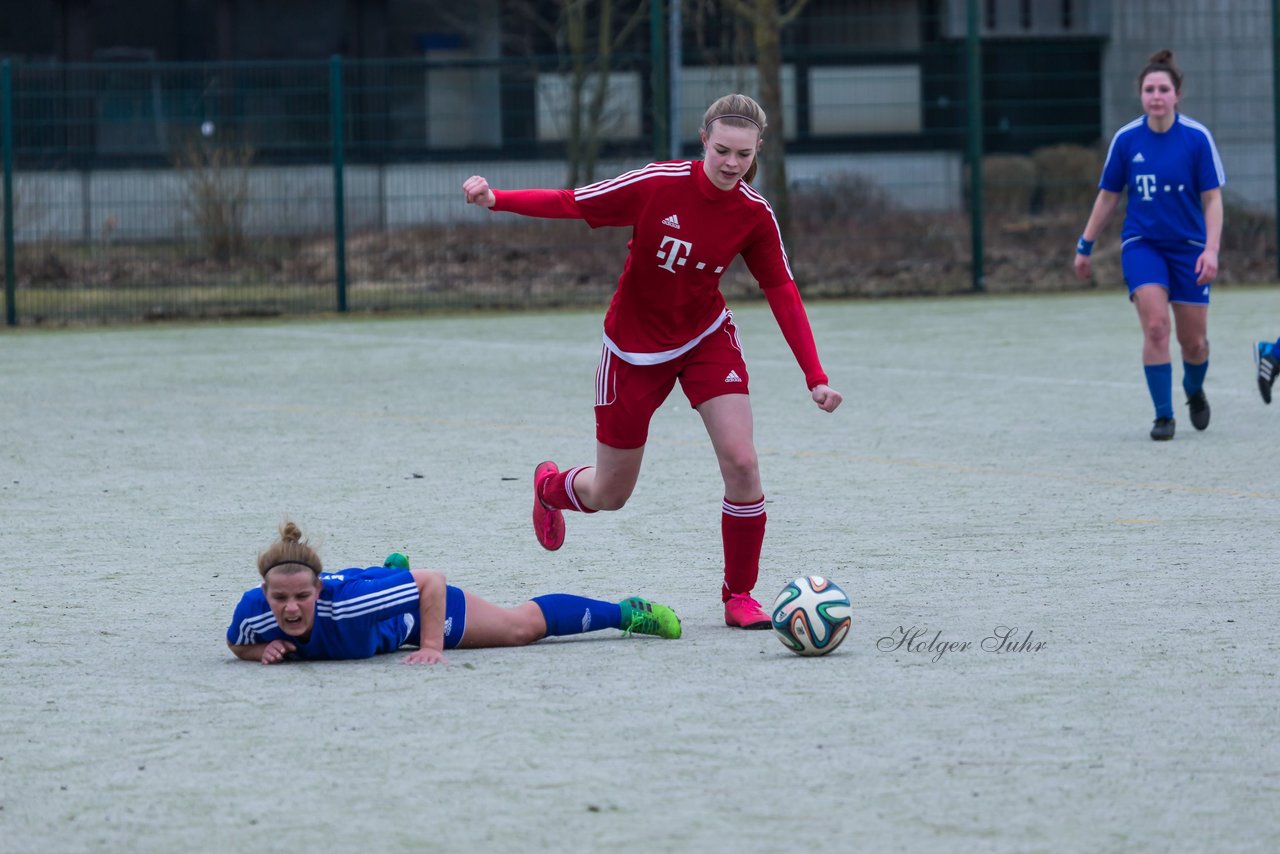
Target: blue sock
{"x": 572, "y": 615}
{"x": 1160, "y": 384}
{"x": 1193, "y": 376}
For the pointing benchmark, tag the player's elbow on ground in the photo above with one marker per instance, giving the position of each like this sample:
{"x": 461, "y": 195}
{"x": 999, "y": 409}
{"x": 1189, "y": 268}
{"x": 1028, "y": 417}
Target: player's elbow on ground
{"x": 244, "y": 653}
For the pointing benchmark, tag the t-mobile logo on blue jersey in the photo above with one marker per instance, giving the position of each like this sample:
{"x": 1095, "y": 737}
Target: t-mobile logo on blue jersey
{"x": 677, "y": 254}
{"x": 1146, "y": 185}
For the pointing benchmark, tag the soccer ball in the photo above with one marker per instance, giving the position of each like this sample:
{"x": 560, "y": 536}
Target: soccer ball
{"x": 812, "y": 615}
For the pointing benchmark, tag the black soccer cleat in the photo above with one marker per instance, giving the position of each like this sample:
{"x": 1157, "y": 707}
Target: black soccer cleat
{"x": 1162, "y": 429}
{"x": 1199, "y": 405}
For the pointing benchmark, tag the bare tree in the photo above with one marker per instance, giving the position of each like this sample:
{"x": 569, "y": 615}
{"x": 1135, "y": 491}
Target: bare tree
{"x": 587, "y": 119}
{"x": 587, "y": 38}
{"x": 215, "y": 180}
{"x": 766, "y": 19}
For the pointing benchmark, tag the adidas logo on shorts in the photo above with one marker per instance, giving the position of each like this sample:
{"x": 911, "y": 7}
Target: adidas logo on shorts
{"x": 733, "y": 377}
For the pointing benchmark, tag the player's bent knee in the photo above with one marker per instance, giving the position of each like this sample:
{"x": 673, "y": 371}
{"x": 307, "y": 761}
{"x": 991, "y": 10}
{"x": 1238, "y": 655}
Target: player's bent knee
{"x": 527, "y": 631}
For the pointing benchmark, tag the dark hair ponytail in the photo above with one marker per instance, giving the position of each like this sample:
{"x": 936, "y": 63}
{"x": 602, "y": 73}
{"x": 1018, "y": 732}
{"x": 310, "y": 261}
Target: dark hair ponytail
{"x": 1162, "y": 60}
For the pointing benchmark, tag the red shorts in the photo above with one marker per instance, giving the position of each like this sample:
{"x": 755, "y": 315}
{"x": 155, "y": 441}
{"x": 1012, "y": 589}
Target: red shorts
{"x": 627, "y": 395}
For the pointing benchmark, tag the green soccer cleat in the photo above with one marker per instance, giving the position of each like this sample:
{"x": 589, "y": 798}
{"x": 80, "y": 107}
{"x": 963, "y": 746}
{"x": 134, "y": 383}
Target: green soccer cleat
{"x": 397, "y": 560}
{"x": 640, "y": 616}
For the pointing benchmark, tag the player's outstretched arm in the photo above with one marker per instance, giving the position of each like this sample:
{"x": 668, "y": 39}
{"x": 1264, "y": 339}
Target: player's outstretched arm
{"x": 548, "y": 204}
{"x": 431, "y": 608}
{"x": 267, "y": 653}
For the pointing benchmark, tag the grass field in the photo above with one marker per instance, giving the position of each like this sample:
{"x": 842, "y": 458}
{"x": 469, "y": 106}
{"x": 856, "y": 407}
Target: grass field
{"x": 990, "y": 468}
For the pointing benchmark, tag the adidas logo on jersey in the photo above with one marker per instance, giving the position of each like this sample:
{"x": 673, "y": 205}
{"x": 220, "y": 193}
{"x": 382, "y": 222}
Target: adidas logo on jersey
{"x": 672, "y": 221}
{"x": 733, "y": 377}
{"x": 1138, "y": 158}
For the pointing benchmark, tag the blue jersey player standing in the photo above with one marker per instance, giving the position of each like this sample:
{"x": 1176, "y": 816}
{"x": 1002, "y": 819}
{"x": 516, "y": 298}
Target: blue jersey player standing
{"x": 1172, "y": 231}
{"x": 302, "y": 612}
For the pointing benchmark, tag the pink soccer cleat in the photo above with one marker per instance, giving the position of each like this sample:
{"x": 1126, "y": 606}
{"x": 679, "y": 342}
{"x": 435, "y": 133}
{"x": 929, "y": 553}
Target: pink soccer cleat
{"x": 548, "y": 522}
{"x": 743, "y": 612}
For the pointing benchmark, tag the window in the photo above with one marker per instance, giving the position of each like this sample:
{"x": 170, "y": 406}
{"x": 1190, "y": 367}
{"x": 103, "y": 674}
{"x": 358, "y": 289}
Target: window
{"x": 1027, "y": 18}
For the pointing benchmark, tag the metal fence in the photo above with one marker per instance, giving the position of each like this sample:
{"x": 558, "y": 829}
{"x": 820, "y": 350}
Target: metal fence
{"x": 153, "y": 190}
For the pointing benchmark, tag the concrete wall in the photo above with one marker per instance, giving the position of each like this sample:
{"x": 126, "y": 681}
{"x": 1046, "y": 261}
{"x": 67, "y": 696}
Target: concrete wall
{"x": 155, "y": 204}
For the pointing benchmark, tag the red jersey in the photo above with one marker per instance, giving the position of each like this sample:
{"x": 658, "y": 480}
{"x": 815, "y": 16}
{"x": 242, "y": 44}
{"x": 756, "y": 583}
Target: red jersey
{"x": 685, "y": 231}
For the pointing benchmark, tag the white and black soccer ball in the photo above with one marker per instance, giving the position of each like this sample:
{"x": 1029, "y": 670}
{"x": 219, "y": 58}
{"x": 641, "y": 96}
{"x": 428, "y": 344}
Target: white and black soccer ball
{"x": 812, "y": 615}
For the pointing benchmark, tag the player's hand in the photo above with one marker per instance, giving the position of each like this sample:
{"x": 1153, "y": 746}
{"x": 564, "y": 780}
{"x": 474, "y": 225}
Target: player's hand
{"x": 1083, "y": 267}
{"x": 425, "y": 655}
{"x": 477, "y": 191}
{"x": 1206, "y": 267}
{"x": 826, "y": 397}
{"x": 276, "y": 651}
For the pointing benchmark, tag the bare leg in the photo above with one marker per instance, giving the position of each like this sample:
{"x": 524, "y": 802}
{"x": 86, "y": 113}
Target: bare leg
{"x": 729, "y": 424}
{"x": 1152, "y": 303}
{"x": 742, "y": 522}
{"x": 490, "y": 625}
{"x": 1192, "y": 323}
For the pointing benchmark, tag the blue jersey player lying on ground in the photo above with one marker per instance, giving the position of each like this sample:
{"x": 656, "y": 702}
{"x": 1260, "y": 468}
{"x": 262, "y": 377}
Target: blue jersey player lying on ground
{"x": 302, "y": 612}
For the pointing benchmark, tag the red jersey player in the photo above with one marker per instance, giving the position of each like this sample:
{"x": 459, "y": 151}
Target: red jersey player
{"x": 668, "y": 321}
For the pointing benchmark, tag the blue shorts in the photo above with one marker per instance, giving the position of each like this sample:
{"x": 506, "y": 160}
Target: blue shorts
{"x": 455, "y": 619}
{"x": 1169, "y": 264}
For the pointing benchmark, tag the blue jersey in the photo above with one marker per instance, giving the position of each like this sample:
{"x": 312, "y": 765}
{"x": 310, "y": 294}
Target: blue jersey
{"x": 359, "y": 613}
{"x": 1165, "y": 174}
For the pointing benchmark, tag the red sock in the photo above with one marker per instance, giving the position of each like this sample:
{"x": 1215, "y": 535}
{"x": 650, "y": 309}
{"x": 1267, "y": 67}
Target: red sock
{"x": 557, "y": 491}
{"x": 742, "y": 527}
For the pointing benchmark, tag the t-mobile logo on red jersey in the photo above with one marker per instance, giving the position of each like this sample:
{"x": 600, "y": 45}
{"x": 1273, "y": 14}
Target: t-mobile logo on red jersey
{"x": 678, "y": 254}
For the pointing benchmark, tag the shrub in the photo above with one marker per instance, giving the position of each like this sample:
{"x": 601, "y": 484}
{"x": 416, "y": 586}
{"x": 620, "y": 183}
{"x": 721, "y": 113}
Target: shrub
{"x": 215, "y": 179}
{"x": 1008, "y": 184}
{"x": 1068, "y": 177}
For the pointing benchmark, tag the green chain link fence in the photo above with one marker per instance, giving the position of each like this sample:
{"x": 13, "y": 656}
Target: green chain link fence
{"x": 152, "y": 190}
